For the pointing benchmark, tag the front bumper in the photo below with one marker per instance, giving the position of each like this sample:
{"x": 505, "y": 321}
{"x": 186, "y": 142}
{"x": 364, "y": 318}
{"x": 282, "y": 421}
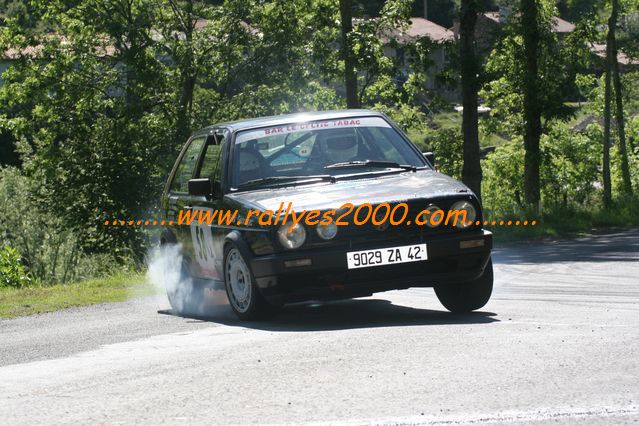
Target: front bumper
{"x": 328, "y": 277}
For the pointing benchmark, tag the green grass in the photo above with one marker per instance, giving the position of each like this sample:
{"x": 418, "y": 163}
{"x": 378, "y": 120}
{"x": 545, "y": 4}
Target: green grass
{"x": 453, "y": 120}
{"x": 448, "y": 120}
{"x": 38, "y": 299}
{"x": 569, "y": 222}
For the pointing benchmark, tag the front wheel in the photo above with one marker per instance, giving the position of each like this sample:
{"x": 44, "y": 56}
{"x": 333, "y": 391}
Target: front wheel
{"x": 244, "y": 297}
{"x": 467, "y": 296}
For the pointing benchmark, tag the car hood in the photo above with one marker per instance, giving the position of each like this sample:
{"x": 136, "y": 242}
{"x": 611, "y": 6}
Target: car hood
{"x": 423, "y": 184}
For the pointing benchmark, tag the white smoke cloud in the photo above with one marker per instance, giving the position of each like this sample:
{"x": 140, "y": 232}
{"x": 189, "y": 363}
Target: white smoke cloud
{"x": 165, "y": 272}
{"x": 188, "y": 297}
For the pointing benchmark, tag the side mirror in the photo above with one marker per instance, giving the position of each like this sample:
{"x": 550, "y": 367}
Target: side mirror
{"x": 202, "y": 187}
{"x": 430, "y": 157}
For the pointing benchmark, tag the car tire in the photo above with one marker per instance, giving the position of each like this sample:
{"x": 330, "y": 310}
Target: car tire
{"x": 467, "y": 296}
{"x": 244, "y": 297}
{"x": 185, "y": 296}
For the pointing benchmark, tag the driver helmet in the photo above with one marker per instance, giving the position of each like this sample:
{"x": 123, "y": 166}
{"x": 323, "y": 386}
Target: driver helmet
{"x": 340, "y": 147}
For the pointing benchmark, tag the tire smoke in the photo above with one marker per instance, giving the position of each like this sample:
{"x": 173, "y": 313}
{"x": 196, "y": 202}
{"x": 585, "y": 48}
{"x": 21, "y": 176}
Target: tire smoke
{"x": 166, "y": 271}
{"x": 187, "y": 296}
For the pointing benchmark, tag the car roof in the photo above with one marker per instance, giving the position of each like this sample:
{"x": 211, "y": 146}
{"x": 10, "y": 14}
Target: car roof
{"x": 277, "y": 120}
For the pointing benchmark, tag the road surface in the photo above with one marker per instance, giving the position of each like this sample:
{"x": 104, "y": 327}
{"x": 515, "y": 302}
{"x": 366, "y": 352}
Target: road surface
{"x": 557, "y": 343}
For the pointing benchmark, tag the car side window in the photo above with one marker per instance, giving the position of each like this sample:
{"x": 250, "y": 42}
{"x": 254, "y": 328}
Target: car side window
{"x": 211, "y": 164}
{"x": 186, "y": 167}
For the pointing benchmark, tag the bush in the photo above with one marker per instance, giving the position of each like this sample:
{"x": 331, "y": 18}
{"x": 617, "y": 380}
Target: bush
{"x": 570, "y": 165}
{"x": 502, "y": 186}
{"x": 12, "y": 272}
{"x": 448, "y": 146}
{"x": 50, "y": 249}
{"x": 569, "y": 172}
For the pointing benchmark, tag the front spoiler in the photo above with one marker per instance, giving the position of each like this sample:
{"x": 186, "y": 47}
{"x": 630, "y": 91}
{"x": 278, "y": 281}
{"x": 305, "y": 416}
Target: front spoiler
{"x": 328, "y": 276}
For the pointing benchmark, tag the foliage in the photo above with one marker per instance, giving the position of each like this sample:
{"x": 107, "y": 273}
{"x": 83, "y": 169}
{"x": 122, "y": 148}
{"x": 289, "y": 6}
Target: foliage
{"x": 99, "y": 121}
{"x": 447, "y": 145}
{"x": 105, "y": 92}
{"x": 12, "y": 272}
{"x": 570, "y": 167}
{"x": 507, "y": 72}
{"x": 21, "y": 11}
{"x": 50, "y": 251}
{"x": 572, "y": 162}
{"x": 85, "y": 118}
{"x": 502, "y": 186}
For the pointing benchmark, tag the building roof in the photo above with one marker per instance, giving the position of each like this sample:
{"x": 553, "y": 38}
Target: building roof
{"x": 417, "y": 28}
{"x": 599, "y": 49}
{"x": 494, "y": 16}
{"x": 582, "y": 126}
{"x": 421, "y": 27}
{"x": 562, "y": 26}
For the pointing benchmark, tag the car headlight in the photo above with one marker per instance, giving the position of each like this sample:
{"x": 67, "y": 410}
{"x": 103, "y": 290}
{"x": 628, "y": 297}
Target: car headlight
{"x": 471, "y": 214}
{"x": 327, "y": 232}
{"x": 293, "y": 239}
{"x": 426, "y": 217}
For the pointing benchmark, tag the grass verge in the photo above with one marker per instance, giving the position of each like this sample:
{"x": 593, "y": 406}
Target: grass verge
{"x": 32, "y": 300}
{"x": 569, "y": 222}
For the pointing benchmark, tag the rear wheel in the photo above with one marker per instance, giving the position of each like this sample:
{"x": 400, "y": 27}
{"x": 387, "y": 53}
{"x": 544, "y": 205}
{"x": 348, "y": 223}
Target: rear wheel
{"x": 467, "y": 296}
{"x": 244, "y": 297}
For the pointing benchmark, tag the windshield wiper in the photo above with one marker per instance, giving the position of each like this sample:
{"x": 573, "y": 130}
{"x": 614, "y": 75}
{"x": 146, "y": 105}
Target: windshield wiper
{"x": 286, "y": 179}
{"x": 371, "y": 163}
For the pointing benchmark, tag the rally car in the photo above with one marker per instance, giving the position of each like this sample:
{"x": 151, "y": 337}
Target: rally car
{"x": 333, "y": 163}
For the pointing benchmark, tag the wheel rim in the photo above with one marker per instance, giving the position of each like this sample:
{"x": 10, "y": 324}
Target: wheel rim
{"x": 238, "y": 281}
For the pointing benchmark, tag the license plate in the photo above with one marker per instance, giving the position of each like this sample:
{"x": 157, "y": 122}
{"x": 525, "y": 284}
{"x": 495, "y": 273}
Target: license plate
{"x": 386, "y": 256}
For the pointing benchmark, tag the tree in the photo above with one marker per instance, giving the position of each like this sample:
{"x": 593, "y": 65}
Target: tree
{"x": 523, "y": 104}
{"x": 188, "y": 42}
{"x": 87, "y": 108}
{"x": 531, "y": 102}
{"x": 350, "y": 76}
{"x": 619, "y": 115}
{"x": 471, "y": 172}
{"x": 607, "y": 185}
{"x": 612, "y": 69}
{"x": 183, "y": 20}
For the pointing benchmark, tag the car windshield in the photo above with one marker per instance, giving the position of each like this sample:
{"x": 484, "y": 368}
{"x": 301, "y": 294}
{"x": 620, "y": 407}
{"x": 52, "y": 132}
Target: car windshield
{"x": 299, "y": 151}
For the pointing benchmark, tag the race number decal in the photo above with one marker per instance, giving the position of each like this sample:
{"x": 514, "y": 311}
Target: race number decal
{"x": 202, "y": 238}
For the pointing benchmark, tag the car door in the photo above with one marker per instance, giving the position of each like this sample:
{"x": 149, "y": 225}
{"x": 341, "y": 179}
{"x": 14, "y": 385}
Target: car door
{"x": 179, "y": 199}
{"x": 208, "y": 239}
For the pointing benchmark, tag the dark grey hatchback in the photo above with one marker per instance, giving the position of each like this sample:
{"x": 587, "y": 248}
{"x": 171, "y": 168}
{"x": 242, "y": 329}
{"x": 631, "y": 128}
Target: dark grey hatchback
{"x": 340, "y": 164}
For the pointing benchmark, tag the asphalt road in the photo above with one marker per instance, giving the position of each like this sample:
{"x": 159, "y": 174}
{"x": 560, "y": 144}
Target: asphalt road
{"x": 557, "y": 343}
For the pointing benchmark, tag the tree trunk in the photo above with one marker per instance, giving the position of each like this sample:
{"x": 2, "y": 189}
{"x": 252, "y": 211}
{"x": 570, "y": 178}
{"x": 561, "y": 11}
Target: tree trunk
{"x": 607, "y": 196}
{"x": 183, "y": 122}
{"x": 471, "y": 170}
{"x": 621, "y": 131}
{"x": 188, "y": 74}
{"x": 532, "y": 107}
{"x": 350, "y": 77}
